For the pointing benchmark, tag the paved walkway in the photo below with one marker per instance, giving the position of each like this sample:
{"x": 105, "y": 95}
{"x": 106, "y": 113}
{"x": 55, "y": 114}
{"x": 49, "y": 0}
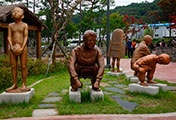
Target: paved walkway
{"x": 167, "y": 116}
{"x": 163, "y": 72}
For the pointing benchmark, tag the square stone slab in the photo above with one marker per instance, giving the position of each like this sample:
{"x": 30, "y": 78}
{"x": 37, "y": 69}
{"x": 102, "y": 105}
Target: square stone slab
{"x": 152, "y": 90}
{"x": 46, "y": 105}
{"x": 44, "y": 112}
{"x": 107, "y": 93}
{"x": 115, "y": 73}
{"x": 75, "y": 96}
{"x": 171, "y": 88}
{"x": 114, "y": 89}
{"x": 53, "y": 94}
{"x": 96, "y": 95}
{"x": 52, "y": 99}
{"x": 118, "y": 96}
{"x": 120, "y": 85}
{"x": 130, "y": 106}
{"x": 16, "y": 98}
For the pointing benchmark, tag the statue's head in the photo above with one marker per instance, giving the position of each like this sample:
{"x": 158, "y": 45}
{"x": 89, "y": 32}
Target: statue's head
{"x": 148, "y": 39}
{"x": 164, "y": 59}
{"x": 89, "y": 39}
{"x": 17, "y": 13}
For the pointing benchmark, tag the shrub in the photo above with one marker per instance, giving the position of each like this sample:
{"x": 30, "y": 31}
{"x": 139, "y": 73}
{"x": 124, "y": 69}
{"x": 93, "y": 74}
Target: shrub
{"x": 35, "y": 67}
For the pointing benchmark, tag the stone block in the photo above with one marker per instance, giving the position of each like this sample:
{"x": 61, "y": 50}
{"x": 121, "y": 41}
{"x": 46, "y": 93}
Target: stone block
{"x": 75, "y": 96}
{"x": 152, "y": 90}
{"x": 128, "y": 76}
{"x": 96, "y": 95}
{"x": 160, "y": 85}
{"x": 115, "y": 73}
{"x": 134, "y": 79}
{"x": 44, "y": 112}
{"x": 16, "y": 98}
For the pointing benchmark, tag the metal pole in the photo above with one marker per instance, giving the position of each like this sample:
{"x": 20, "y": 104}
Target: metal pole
{"x": 107, "y": 36}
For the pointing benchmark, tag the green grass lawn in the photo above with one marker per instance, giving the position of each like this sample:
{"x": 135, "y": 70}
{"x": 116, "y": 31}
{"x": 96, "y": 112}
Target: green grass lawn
{"x": 161, "y": 103}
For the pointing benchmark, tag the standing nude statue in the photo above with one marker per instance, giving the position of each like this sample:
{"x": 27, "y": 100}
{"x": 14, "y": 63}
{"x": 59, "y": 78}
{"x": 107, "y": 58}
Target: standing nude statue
{"x": 17, "y": 38}
{"x": 86, "y": 61}
{"x": 116, "y": 48}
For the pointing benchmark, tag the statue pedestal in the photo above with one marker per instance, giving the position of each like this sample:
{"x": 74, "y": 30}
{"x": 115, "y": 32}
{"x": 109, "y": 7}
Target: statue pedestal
{"x": 75, "y": 96}
{"x": 16, "y": 98}
{"x": 134, "y": 79}
{"x": 160, "y": 85}
{"x": 152, "y": 90}
{"x": 96, "y": 95}
{"x": 115, "y": 73}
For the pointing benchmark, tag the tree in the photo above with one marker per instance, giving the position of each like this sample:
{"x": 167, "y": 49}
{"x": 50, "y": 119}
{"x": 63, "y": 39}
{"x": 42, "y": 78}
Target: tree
{"x": 116, "y": 21}
{"x": 167, "y": 7}
{"x": 148, "y": 31}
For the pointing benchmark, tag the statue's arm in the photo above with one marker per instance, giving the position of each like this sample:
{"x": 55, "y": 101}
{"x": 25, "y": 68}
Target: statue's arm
{"x": 101, "y": 65}
{"x": 71, "y": 65}
{"x": 25, "y": 35}
{"x": 10, "y": 36}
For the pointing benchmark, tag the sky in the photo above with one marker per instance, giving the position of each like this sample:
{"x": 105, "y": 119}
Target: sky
{"x": 127, "y": 2}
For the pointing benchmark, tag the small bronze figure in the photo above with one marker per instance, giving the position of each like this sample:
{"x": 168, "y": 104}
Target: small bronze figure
{"x": 17, "y": 37}
{"x": 86, "y": 61}
{"x": 116, "y": 48}
{"x": 147, "y": 64}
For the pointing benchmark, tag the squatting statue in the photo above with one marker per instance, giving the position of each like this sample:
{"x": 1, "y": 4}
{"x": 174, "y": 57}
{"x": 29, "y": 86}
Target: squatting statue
{"x": 17, "y": 38}
{"x": 141, "y": 50}
{"x": 147, "y": 64}
{"x": 86, "y": 61}
{"x": 116, "y": 48}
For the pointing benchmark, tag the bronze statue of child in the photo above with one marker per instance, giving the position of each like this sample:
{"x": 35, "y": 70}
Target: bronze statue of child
{"x": 86, "y": 61}
{"x": 147, "y": 64}
{"x": 17, "y": 38}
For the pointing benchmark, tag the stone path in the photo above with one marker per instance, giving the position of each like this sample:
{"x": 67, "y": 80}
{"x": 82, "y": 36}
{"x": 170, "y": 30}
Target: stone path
{"x": 47, "y": 107}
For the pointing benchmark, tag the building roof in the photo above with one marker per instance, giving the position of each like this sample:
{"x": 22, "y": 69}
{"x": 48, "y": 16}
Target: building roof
{"x": 29, "y": 17}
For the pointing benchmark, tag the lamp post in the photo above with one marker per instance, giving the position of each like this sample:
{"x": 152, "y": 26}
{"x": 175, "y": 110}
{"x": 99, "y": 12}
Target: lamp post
{"x": 107, "y": 36}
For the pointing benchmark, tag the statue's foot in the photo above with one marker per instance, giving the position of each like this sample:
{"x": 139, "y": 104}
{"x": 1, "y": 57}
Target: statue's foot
{"x": 112, "y": 70}
{"x": 143, "y": 84}
{"x": 13, "y": 87}
{"x": 25, "y": 89}
{"x": 74, "y": 89}
{"x": 153, "y": 82}
{"x": 119, "y": 71}
{"x": 78, "y": 84}
{"x": 96, "y": 89}
{"x": 96, "y": 85}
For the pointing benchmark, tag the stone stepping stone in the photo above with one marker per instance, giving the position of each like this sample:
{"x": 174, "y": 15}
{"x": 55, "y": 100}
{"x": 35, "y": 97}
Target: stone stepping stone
{"x": 115, "y": 73}
{"x": 114, "y": 89}
{"x": 52, "y": 99}
{"x": 118, "y": 96}
{"x": 88, "y": 82}
{"x": 130, "y": 106}
{"x": 53, "y": 94}
{"x": 120, "y": 85}
{"x": 171, "y": 88}
{"x": 107, "y": 93}
{"x": 46, "y": 105}
{"x": 44, "y": 112}
{"x": 105, "y": 79}
{"x": 103, "y": 84}
{"x": 64, "y": 91}
{"x": 112, "y": 82}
